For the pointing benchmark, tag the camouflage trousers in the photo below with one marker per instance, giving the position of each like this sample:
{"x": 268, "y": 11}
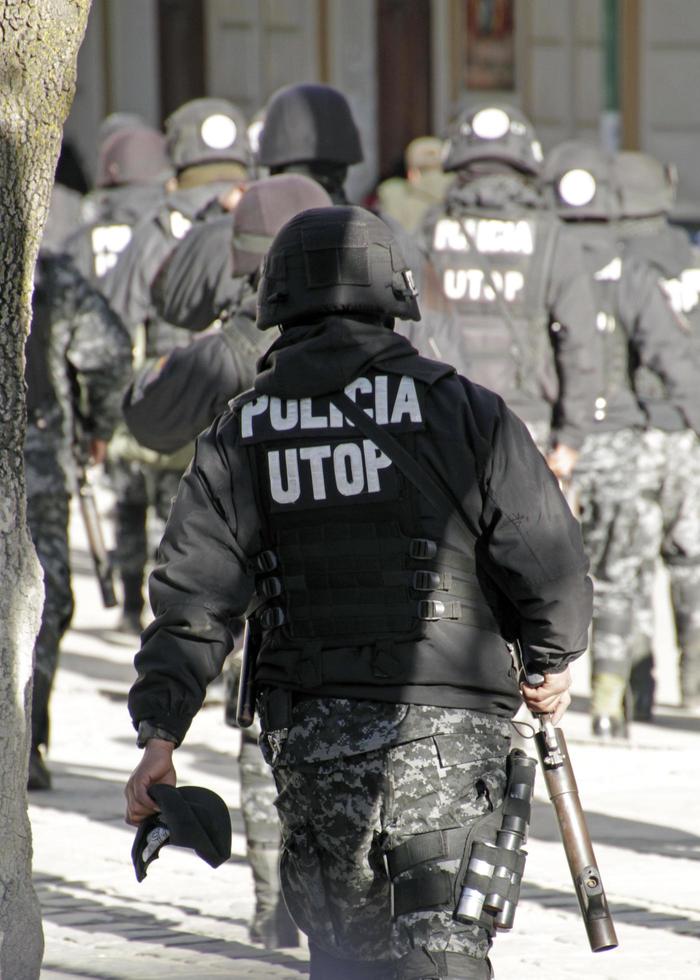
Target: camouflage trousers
{"x": 48, "y": 524}
{"x": 357, "y": 779}
{"x": 138, "y": 488}
{"x": 674, "y": 459}
{"x": 621, "y": 527}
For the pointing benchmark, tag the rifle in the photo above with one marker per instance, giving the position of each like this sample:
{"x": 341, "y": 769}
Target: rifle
{"x": 93, "y": 529}
{"x": 563, "y": 793}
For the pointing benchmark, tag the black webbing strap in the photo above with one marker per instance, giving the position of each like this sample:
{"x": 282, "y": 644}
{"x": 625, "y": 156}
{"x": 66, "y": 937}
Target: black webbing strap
{"x": 428, "y": 891}
{"x": 436, "y": 845}
{"x": 412, "y": 469}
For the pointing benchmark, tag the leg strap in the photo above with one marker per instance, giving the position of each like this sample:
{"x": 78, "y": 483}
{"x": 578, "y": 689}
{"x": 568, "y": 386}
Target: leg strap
{"x": 422, "y": 964}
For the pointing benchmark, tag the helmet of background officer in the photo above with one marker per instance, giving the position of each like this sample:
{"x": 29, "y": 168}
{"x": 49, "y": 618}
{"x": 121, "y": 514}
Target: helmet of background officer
{"x": 265, "y": 207}
{"x": 310, "y": 128}
{"x": 647, "y": 187}
{"x": 579, "y": 183}
{"x": 208, "y": 135}
{"x": 495, "y": 132}
{"x": 133, "y": 155}
{"x": 116, "y": 121}
{"x": 341, "y": 259}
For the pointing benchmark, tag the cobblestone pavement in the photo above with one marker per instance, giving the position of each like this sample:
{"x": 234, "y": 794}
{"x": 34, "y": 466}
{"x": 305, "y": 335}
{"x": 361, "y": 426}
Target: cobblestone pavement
{"x": 189, "y": 921}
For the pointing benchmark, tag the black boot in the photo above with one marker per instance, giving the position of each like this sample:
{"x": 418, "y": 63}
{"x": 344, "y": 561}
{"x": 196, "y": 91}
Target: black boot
{"x": 130, "y": 621}
{"x": 39, "y": 776}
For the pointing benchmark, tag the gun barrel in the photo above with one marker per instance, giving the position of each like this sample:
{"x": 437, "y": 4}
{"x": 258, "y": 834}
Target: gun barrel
{"x": 563, "y": 792}
{"x": 98, "y": 551}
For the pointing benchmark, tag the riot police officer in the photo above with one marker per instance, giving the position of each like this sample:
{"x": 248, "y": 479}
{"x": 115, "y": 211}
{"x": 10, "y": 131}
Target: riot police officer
{"x": 309, "y": 129}
{"x": 207, "y": 144}
{"x": 174, "y": 402}
{"x": 671, "y": 447}
{"x": 78, "y": 361}
{"x": 380, "y": 595}
{"x": 614, "y": 482}
{"x": 506, "y": 299}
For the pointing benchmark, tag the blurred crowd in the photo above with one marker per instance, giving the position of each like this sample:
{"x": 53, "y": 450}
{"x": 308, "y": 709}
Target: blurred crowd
{"x": 558, "y": 281}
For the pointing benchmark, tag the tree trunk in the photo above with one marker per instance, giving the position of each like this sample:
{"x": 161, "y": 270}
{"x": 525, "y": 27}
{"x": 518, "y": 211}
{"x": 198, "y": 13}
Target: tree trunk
{"x": 39, "y": 41}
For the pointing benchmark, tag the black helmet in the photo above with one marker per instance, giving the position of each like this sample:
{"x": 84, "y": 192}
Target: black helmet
{"x": 647, "y": 186}
{"x": 266, "y": 205}
{"x": 579, "y": 182}
{"x": 337, "y": 259}
{"x": 495, "y": 131}
{"x": 309, "y": 123}
{"x": 207, "y": 131}
{"x": 132, "y": 155}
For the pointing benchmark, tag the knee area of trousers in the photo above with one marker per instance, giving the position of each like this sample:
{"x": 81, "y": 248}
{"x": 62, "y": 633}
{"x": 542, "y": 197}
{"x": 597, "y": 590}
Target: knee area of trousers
{"x": 325, "y": 966}
{"x": 424, "y": 964}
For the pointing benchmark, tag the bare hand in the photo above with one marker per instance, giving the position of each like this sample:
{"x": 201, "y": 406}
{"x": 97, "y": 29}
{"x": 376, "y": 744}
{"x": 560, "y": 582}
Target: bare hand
{"x": 98, "y": 451}
{"x": 156, "y": 766}
{"x": 562, "y": 460}
{"x": 551, "y": 698}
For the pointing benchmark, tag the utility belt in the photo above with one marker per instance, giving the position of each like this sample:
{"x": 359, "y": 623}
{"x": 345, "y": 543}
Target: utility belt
{"x": 492, "y": 860}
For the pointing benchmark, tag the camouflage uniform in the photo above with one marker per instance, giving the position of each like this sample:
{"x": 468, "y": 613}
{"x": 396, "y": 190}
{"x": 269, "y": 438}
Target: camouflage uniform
{"x": 358, "y": 778}
{"x": 673, "y": 460}
{"x": 77, "y": 348}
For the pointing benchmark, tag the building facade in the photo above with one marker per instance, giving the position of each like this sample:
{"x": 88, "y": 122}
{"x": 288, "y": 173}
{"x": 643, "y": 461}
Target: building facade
{"x": 623, "y": 71}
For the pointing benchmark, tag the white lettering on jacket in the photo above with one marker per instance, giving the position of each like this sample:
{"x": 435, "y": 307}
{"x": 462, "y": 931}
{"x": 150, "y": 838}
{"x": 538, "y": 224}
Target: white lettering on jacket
{"x": 306, "y": 415}
{"x": 489, "y": 235}
{"x": 352, "y": 470}
{"x": 476, "y": 286}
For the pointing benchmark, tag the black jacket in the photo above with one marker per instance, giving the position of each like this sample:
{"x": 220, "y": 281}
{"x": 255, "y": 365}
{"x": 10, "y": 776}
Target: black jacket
{"x": 529, "y": 543}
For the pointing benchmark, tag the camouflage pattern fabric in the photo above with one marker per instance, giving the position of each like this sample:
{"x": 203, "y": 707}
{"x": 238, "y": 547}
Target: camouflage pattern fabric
{"x": 48, "y": 523}
{"x": 674, "y": 461}
{"x": 621, "y": 525}
{"x": 355, "y": 780}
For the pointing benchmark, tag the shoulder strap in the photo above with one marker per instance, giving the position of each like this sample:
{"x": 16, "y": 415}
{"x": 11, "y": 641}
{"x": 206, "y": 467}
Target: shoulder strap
{"x": 409, "y": 466}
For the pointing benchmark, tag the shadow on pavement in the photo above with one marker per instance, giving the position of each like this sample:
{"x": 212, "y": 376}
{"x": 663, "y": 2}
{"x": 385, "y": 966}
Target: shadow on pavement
{"x": 632, "y": 835}
{"x": 627, "y": 914}
{"x": 88, "y": 914}
{"x": 88, "y": 791}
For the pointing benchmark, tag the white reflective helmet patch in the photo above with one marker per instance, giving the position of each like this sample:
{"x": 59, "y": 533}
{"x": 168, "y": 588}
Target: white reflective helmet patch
{"x": 491, "y": 124}
{"x": 254, "y": 133}
{"x": 537, "y": 153}
{"x": 218, "y": 131}
{"x": 577, "y": 187}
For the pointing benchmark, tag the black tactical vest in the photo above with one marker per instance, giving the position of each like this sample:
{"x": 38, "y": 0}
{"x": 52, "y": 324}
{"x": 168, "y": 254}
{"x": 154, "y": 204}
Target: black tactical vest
{"x": 493, "y": 269}
{"x": 357, "y": 591}
{"x": 615, "y": 404}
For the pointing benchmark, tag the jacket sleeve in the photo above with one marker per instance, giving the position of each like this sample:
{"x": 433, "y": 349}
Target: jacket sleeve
{"x": 100, "y": 353}
{"x": 534, "y": 549}
{"x": 662, "y": 338}
{"x": 573, "y": 314}
{"x": 170, "y": 402}
{"x": 200, "y": 586}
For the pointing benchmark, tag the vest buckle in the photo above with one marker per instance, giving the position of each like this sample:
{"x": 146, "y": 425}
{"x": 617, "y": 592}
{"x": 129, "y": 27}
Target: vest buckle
{"x": 271, "y": 587}
{"x": 266, "y": 561}
{"x": 431, "y": 609}
{"x": 272, "y": 617}
{"x": 422, "y": 549}
{"x": 424, "y": 581}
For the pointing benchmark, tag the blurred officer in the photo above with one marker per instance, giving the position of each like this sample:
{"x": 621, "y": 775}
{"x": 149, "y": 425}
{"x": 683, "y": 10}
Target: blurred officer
{"x": 309, "y": 129}
{"x": 385, "y": 680}
{"x": 614, "y": 481}
{"x": 174, "y": 402}
{"x": 78, "y": 361}
{"x": 133, "y": 171}
{"x": 647, "y": 194}
{"x": 208, "y": 147}
{"x": 407, "y": 199}
{"x": 507, "y": 299}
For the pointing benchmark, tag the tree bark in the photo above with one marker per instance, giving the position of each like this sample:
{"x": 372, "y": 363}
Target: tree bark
{"x": 39, "y": 42}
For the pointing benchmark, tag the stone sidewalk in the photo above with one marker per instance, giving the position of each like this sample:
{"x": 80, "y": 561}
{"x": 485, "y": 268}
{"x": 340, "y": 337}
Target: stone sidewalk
{"x": 189, "y": 921}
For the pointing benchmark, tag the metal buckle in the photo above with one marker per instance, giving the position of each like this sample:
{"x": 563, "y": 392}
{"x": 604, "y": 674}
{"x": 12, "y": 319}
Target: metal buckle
{"x": 431, "y": 609}
{"x": 424, "y": 581}
{"x": 266, "y": 561}
{"x": 422, "y": 548}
